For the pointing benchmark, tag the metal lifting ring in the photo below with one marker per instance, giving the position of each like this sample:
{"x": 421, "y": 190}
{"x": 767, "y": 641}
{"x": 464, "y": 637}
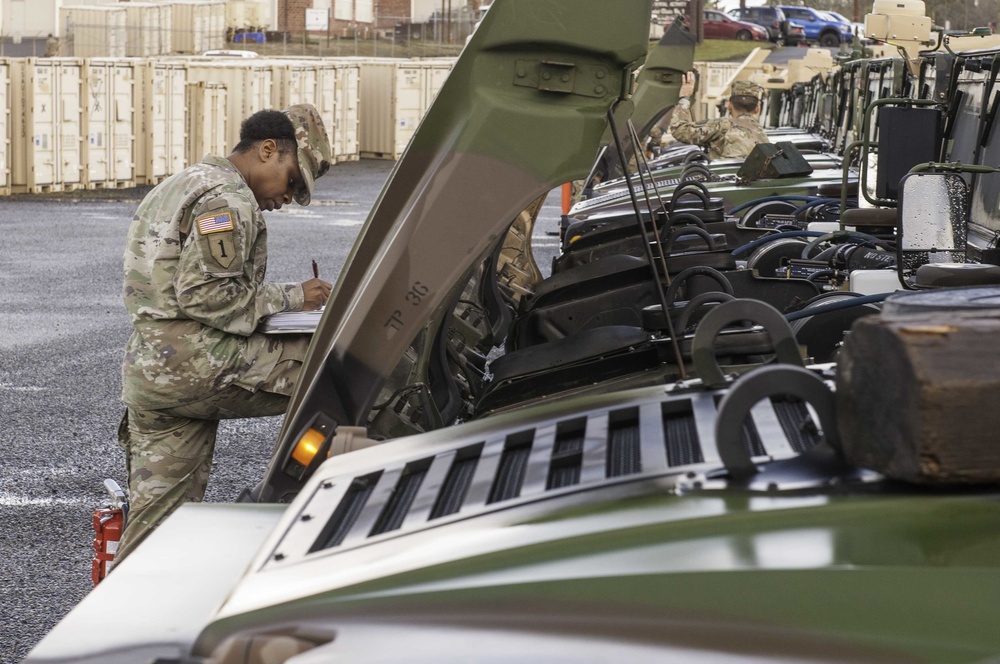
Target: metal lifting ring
{"x": 688, "y": 230}
{"x": 698, "y": 301}
{"x": 763, "y": 383}
{"x": 703, "y": 270}
{"x": 703, "y": 346}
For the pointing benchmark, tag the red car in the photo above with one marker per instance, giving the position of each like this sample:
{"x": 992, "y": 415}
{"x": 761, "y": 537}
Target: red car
{"x": 719, "y": 26}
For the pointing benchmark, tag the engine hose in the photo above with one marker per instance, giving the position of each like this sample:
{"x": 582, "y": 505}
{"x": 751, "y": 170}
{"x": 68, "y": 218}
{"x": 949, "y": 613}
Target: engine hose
{"x": 851, "y": 236}
{"x": 749, "y": 246}
{"x": 768, "y": 199}
{"x": 821, "y": 274}
{"x": 835, "y": 306}
{"x": 818, "y": 201}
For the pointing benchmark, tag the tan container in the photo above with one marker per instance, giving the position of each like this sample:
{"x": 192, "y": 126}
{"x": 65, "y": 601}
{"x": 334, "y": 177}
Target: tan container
{"x": 294, "y": 82}
{"x": 216, "y": 37}
{"x": 30, "y": 19}
{"x": 198, "y": 26}
{"x": 437, "y": 73}
{"x": 146, "y": 28}
{"x": 109, "y": 135}
{"x": 394, "y": 95}
{"x": 335, "y": 96}
{"x": 93, "y": 32}
{"x": 242, "y": 14}
{"x": 160, "y": 101}
{"x": 4, "y": 128}
{"x": 206, "y": 121}
{"x": 389, "y": 98}
{"x": 166, "y": 29}
{"x": 46, "y": 116}
{"x": 345, "y": 132}
{"x": 248, "y": 84}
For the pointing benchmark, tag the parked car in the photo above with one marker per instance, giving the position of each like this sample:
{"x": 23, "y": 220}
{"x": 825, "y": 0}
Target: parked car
{"x": 779, "y": 29}
{"x": 719, "y": 26}
{"x": 857, "y": 28}
{"x": 820, "y": 26}
{"x": 229, "y": 53}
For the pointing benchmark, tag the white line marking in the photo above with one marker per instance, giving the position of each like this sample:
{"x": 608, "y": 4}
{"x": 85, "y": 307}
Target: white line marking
{"x": 21, "y": 388}
{"x": 10, "y": 500}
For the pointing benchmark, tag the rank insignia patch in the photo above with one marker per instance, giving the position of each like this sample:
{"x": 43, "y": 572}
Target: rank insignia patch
{"x": 215, "y": 223}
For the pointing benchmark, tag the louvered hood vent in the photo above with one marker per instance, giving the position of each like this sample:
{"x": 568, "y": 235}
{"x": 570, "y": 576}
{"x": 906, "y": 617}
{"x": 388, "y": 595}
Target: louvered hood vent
{"x": 669, "y": 436}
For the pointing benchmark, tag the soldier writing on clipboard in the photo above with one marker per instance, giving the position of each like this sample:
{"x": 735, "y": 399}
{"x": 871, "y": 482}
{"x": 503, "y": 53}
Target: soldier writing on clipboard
{"x": 194, "y": 287}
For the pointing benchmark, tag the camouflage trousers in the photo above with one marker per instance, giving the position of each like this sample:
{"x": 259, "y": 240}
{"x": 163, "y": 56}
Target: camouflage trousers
{"x": 168, "y": 452}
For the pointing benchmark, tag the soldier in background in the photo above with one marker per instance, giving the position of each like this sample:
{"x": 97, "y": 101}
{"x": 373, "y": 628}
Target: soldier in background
{"x": 51, "y": 47}
{"x": 194, "y": 288}
{"x": 730, "y": 137}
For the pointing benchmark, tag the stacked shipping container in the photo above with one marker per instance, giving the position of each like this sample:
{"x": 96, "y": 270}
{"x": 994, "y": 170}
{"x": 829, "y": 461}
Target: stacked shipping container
{"x": 4, "y": 128}
{"x": 116, "y": 122}
{"x": 161, "y": 111}
{"x": 46, "y": 121}
{"x": 395, "y": 95}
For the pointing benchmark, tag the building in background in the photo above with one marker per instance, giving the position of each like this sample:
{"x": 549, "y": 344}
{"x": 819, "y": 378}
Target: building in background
{"x": 444, "y": 20}
{"x": 26, "y": 25}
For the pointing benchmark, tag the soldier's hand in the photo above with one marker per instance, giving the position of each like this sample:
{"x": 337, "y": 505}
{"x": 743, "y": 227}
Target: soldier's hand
{"x": 316, "y": 292}
{"x": 687, "y": 86}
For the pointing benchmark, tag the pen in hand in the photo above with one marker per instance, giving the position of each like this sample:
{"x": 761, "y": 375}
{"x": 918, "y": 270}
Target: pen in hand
{"x": 315, "y": 270}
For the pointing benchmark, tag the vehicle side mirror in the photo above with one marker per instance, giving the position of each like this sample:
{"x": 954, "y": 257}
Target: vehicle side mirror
{"x": 931, "y": 220}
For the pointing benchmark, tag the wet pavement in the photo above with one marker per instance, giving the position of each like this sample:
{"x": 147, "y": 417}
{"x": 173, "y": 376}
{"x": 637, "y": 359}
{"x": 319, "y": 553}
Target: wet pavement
{"x": 62, "y": 330}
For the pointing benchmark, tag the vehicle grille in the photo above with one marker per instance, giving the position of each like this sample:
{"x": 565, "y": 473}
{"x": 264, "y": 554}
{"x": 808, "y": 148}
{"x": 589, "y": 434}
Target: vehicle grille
{"x": 671, "y": 435}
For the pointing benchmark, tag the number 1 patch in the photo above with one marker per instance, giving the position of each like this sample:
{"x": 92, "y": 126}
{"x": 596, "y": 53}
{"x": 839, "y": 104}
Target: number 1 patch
{"x": 222, "y": 248}
{"x": 217, "y": 230}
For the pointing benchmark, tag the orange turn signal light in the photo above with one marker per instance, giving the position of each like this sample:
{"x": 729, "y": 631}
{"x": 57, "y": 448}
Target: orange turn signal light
{"x": 308, "y": 446}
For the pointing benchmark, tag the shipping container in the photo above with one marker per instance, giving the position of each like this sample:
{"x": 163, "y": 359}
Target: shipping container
{"x": 35, "y": 19}
{"x": 438, "y": 70}
{"x": 335, "y": 96}
{"x": 243, "y": 14}
{"x": 394, "y": 95}
{"x": 166, "y": 29}
{"x": 206, "y": 121}
{"x": 249, "y": 86}
{"x": 160, "y": 101}
{"x": 109, "y": 129}
{"x": 216, "y": 37}
{"x": 4, "y": 128}
{"x": 390, "y": 104}
{"x": 46, "y": 118}
{"x": 148, "y": 26}
{"x": 345, "y": 132}
{"x": 294, "y": 82}
{"x": 92, "y": 31}
{"x": 198, "y": 26}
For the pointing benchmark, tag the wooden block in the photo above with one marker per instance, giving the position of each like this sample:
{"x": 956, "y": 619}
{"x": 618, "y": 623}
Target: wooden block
{"x": 918, "y": 397}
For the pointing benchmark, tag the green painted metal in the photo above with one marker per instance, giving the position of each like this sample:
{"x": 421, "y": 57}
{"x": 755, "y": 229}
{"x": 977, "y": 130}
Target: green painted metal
{"x": 889, "y": 578}
{"x": 522, "y": 111}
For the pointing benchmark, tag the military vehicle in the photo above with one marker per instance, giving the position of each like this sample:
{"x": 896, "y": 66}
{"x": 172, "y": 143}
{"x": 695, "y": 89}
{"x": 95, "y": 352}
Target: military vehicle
{"x": 637, "y": 458}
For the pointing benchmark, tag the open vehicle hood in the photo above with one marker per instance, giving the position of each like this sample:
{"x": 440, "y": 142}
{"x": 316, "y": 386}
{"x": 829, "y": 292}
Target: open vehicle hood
{"x": 523, "y": 111}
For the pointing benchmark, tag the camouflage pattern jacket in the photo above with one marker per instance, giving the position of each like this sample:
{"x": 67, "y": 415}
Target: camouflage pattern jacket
{"x": 726, "y": 138}
{"x": 194, "y": 288}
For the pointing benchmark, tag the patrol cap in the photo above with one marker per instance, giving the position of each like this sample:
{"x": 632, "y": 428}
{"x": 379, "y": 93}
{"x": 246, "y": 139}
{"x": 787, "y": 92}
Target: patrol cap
{"x": 314, "y": 147}
{"x": 746, "y": 89}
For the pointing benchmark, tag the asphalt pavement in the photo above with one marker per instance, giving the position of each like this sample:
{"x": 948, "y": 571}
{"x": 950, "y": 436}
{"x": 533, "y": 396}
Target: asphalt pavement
{"x": 62, "y": 330}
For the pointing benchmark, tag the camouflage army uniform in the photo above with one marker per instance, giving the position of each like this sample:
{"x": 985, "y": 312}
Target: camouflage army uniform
{"x": 726, "y": 138}
{"x": 194, "y": 288}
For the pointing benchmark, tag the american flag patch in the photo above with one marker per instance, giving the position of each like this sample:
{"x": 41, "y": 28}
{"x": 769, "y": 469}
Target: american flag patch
{"x": 215, "y": 223}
